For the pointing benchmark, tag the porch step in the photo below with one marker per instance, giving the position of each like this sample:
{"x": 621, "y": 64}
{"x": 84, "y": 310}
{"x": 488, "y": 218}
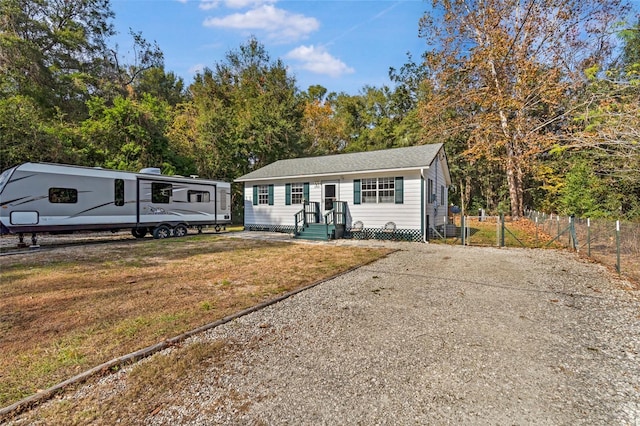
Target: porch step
{"x": 316, "y": 231}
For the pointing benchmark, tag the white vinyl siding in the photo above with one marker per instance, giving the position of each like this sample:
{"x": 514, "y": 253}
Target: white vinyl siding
{"x": 279, "y": 213}
{"x": 438, "y": 203}
{"x": 399, "y": 197}
{"x": 374, "y": 215}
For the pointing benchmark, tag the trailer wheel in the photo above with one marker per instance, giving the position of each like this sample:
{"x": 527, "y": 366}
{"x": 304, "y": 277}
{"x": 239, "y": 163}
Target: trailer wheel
{"x": 180, "y": 231}
{"x": 139, "y": 232}
{"x": 161, "y": 231}
{"x": 217, "y": 228}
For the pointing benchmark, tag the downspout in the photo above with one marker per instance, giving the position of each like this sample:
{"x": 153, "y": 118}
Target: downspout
{"x": 424, "y": 204}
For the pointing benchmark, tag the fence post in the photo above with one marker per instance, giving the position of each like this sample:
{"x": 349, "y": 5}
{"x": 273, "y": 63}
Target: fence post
{"x": 445, "y": 227}
{"x": 573, "y": 238}
{"x": 463, "y": 231}
{"x": 589, "y": 237}
{"x": 618, "y": 266}
{"x": 536, "y": 230}
{"x": 502, "y": 230}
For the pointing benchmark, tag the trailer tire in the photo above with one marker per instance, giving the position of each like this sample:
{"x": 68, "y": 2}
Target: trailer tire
{"x": 162, "y": 231}
{"x": 180, "y": 231}
{"x": 139, "y": 232}
{"x": 218, "y": 228}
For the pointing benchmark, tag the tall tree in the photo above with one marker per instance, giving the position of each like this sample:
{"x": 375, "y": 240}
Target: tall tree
{"x": 161, "y": 84}
{"x": 130, "y": 134}
{"x": 243, "y": 114}
{"x": 500, "y": 71}
{"x": 50, "y": 50}
{"x": 323, "y": 131}
{"x": 246, "y": 113}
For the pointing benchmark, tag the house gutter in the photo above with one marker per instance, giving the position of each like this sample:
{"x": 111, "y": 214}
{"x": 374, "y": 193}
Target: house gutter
{"x": 319, "y": 175}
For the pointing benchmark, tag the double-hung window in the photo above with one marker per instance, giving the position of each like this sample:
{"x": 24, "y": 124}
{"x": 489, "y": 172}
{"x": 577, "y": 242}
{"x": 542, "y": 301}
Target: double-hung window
{"x": 263, "y": 194}
{"x": 379, "y": 190}
{"x": 297, "y": 193}
{"x": 386, "y": 189}
{"x": 369, "y": 190}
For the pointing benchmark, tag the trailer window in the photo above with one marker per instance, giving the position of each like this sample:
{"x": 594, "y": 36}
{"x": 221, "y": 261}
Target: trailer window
{"x": 63, "y": 195}
{"x": 161, "y": 192}
{"x": 119, "y": 192}
{"x": 198, "y": 196}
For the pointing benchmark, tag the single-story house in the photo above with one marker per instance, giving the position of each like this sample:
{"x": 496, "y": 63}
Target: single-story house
{"x": 399, "y": 193}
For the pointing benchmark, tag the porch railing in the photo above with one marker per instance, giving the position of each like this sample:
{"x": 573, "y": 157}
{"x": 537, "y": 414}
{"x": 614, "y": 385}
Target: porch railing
{"x": 312, "y": 212}
{"x": 337, "y": 215}
{"x": 299, "y": 222}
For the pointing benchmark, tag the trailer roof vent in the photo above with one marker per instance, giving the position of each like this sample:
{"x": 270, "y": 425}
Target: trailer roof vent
{"x": 151, "y": 171}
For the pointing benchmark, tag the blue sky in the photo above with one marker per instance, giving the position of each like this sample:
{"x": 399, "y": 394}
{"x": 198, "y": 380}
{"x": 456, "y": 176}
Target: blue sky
{"x": 341, "y": 45}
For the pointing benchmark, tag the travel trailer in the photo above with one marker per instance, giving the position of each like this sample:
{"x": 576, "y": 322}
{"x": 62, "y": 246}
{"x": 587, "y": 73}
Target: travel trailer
{"x": 57, "y": 198}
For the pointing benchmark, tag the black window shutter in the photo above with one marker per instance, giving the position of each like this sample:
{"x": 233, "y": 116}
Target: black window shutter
{"x": 255, "y": 195}
{"x": 356, "y": 191}
{"x": 271, "y": 194}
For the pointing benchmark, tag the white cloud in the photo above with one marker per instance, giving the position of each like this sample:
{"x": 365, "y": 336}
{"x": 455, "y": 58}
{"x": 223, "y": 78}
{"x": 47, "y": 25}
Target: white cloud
{"x": 231, "y": 4}
{"x": 279, "y": 24}
{"x": 209, "y": 4}
{"x": 319, "y": 61}
{"x": 196, "y": 68}
{"x": 241, "y": 4}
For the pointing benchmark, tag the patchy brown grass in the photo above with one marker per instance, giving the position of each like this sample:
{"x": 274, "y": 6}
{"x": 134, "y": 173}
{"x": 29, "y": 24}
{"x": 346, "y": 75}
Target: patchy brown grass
{"x": 148, "y": 387}
{"x": 520, "y": 233}
{"x": 65, "y": 311}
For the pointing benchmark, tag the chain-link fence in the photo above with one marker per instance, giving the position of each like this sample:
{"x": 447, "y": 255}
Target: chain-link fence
{"x": 612, "y": 243}
{"x": 485, "y": 230}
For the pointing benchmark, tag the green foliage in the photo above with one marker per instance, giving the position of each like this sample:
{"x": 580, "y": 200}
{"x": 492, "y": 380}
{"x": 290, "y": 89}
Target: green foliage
{"x": 130, "y": 134}
{"x": 631, "y": 50}
{"x": 27, "y": 135}
{"x": 578, "y": 196}
{"x": 65, "y": 97}
{"x": 51, "y": 49}
{"x": 243, "y": 114}
{"x": 162, "y": 85}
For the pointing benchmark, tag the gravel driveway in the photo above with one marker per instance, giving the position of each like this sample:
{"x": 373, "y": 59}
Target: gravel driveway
{"x": 431, "y": 334}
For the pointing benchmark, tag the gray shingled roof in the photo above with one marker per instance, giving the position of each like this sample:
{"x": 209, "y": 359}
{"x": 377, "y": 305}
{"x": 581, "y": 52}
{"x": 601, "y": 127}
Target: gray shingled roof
{"x": 397, "y": 158}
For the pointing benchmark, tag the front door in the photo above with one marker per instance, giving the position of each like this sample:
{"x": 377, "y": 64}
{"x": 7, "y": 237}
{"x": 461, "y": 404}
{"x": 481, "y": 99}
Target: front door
{"x": 329, "y": 195}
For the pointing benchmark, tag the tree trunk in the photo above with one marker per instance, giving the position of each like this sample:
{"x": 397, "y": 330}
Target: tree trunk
{"x": 514, "y": 181}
